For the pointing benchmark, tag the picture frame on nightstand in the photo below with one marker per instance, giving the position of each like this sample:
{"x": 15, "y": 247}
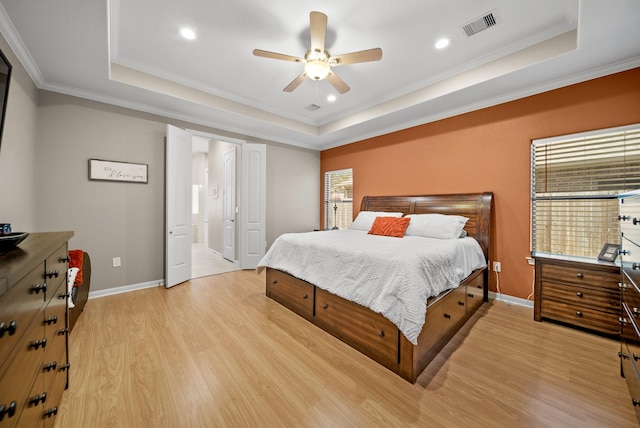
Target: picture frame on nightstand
{"x": 609, "y": 252}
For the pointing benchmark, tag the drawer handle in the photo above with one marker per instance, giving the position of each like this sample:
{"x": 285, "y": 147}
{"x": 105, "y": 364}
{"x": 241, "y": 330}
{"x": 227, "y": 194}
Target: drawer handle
{"x": 64, "y": 295}
{"x": 623, "y": 217}
{"x": 63, "y": 331}
{"x": 38, "y": 398}
{"x": 325, "y": 306}
{"x": 636, "y": 357}
{"x": 635, "y": 266}
{"x": 635, "y": 402}
{"x": 38, "y": 343}
{"x": 580, "y": 275}
{"x": 470, "y": 295}
{"x": 51, "y": 320}
{"x": 623, "y": 252}
{"x": 447, "y": 316}
{"x": 51, "y": 412}
{"x": 623, "y": 356}
{"x": 479, "y": 286}
{"x": 64, "y": 259}
{"x": 39, "y": 287}
{"x": 623, "y": 320}
{"x": 622, "y": 285}
{"x": 635, "y": 221}
{"x": 381, "y": 333}
{"x": 8, "y": 410}
{"x": 579, "y": 294}
{"x": 64, "y": 367}
{"x": 305, "y": 296}
{"x": 578, "y": 313}
{"x": 11, "y": 328}
{"x": 52, "y": 274}
{"x": 636, "y": 311}
{"x": 51, "y": 366}
{"x": 275, "y": 281}
{"x": 460, "y": 303}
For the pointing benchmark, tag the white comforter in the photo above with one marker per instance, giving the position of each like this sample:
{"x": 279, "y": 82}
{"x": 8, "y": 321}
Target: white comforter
{"x": 391, "y": 276}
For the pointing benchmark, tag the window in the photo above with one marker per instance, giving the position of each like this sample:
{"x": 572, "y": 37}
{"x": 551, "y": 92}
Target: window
{"x": 574, "y": 183}
{"x": 338, "y": 199}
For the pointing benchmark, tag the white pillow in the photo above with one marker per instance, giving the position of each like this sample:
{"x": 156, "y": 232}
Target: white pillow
{"x": 71, "y": 279}
{"x": 436, "y": 225}
{"x": 365, "y": 219}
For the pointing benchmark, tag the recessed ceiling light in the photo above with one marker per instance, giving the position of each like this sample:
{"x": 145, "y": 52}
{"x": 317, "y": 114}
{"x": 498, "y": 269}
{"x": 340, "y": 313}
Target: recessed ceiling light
{"x": 188, "y": 33}
{"x": 442, "y": 43}
{"x": 331, "y": 98}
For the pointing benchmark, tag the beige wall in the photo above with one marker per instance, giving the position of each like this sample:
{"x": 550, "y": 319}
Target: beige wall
{"x": 18, "y": 150}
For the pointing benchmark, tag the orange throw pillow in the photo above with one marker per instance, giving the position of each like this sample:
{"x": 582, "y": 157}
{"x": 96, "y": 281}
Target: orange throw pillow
{"x": 389, "y": 226}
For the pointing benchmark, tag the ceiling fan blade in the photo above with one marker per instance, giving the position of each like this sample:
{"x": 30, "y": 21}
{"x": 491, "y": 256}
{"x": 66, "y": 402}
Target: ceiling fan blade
{"x": 337, "y": 83}
{"x": 267, "y": 54}
{"x": 318, "y": 31}
{"x": 355, "y": 57}
{"x": 296, "y": 82}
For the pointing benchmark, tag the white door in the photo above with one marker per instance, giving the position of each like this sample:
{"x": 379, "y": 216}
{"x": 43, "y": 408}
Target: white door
{"x": 253, "y": 220}
{"x": 229, "y": 206}
{"x": 177, "y": 206}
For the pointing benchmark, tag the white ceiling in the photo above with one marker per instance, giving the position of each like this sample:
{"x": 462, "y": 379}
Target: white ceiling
{"x": 130, "y": 53}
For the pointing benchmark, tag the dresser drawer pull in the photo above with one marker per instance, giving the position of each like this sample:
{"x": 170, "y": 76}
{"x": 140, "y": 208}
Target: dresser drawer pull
{"x": 636, "y": 311}
{"x": 578, "y": 313}
{"x": 325, "y": 306}
{"x": 623, "y": 252}
{"x": 636, "y": 357}
{"x": 11, "y": 328}
{"x": 51, "y": 366}
{"x": 471, "y": 295}
{"x": 447, "y": 316}
{"x": 635, "y": 401}
{"x": 622, "y": 285}
{"x": 38, "y": 343}
{"x": 635, "y": 266}
{"x": 623, "y": 217}
{"x": 51, "y": 320}
{"x": 63, "y": 331}
{"x": 635, "y": 221}
{"x": 623, "y": 356}
{"x": 9, "y": 410}
{"x": 52, "y": 274}
{"x": 579, "y": 294}
{"x": 381, "y": 333}
{"x": 51, "y": 412}
{"x": 623, "y": 320}
{"x": 38, "y": 398}
{"x": 64, "y": 367}
{"x": 460, "y": 303}
{"x": 305, "y": 296}
{"x": 64, "y": 259}
{"x": 275, "y": 281}
{"x": 580, "y": 276}
{"x": 39, "y": 287}
{"x": 64, "y": 295}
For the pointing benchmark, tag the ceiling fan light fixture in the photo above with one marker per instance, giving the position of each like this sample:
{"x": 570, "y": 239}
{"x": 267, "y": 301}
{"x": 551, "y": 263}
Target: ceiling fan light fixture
{"x": 317, "y": 69}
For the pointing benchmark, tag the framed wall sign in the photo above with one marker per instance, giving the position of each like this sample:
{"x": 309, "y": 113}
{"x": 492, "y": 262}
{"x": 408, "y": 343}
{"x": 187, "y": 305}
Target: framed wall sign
{"x": 117, "y": 171}
{"x": 609, "y": 252}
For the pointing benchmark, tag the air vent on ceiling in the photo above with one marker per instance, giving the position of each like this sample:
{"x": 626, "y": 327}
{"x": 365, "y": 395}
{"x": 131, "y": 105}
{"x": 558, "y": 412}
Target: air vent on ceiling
{"x": 480, "y": 24}
{"x": 312, "y": 107}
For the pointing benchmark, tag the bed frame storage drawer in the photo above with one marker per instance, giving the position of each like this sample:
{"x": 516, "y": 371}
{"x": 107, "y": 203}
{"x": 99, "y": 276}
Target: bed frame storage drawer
{"x": 293, "y": 293}
{"x": 374, "y": 336}
{"x": 475, "y": 292}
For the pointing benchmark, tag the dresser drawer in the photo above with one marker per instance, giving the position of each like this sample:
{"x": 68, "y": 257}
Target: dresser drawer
{"x": 55, "y": 314}
{"x": 376, "y": 336}
{"x": 592, "y": 297}
{"x": 18, "y": 307}
{"x": 291, "y": 292}
{"x": 55, "y": 382}
{"x": 631, "y": 377}
{"x": 580, "y": 275}
{"x": 581, "y": 316}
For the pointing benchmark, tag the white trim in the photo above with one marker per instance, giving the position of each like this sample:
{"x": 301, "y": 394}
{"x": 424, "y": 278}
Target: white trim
{"x": 125, "y": 289}
{"x": 587, "y": 134}
{"x": 510, "y": 299}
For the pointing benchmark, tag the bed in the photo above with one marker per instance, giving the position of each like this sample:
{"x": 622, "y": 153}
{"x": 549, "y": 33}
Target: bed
{"x": 79, "y": 284}
{"x": 385, "y": 338}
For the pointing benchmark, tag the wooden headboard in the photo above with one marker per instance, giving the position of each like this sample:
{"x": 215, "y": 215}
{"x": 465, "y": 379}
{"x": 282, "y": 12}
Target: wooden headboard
{"x": 475, "y": 206}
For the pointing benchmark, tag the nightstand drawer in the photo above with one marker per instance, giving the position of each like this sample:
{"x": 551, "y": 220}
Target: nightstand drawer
{"x": 580, "y": 316}
{"x": 291, "y": 292}
{"x": 580, "y": 275}
{"x": 592, "y": 297}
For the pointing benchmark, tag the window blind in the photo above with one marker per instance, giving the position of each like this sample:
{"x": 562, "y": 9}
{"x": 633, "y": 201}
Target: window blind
{"x": 574, "y": 183}
{"x": 339, "y": 212}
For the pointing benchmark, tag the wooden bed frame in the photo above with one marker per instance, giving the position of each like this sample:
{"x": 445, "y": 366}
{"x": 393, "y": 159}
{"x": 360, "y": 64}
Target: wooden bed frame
{"x": 371, "y": 333}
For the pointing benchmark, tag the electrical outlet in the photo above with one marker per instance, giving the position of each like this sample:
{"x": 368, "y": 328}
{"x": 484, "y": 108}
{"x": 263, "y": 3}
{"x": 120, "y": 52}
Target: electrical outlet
{"x": 116, "y": 262}
{"x": 497, "y": 267}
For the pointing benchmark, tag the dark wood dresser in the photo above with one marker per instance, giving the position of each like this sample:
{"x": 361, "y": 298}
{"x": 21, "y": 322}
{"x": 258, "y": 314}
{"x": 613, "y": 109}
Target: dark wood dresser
{"x": 33, "y": 330}
{"x": 630, "y": 285}
{"x": 581, "y": 293}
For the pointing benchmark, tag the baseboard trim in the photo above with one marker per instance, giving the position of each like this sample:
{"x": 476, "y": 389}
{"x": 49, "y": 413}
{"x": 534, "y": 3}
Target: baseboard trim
{"x": 125, "y": 289}
{"x": 510, "y": 299}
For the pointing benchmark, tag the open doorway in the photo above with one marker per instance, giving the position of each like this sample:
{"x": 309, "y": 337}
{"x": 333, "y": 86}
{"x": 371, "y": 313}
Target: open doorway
{"x": 208, "y": 182}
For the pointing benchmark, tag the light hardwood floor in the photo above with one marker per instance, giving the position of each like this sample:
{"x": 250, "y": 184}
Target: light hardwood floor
{"x": 199, "y": 355}
{"x": 205, "y": 262}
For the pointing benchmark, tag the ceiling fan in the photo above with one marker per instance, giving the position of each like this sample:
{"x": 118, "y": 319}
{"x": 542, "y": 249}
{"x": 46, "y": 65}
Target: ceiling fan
{"x": 317, "y": 60}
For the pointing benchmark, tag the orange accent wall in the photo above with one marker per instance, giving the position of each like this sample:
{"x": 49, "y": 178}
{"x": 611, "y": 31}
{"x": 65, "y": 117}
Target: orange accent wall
{"x": 487, "y": 150}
